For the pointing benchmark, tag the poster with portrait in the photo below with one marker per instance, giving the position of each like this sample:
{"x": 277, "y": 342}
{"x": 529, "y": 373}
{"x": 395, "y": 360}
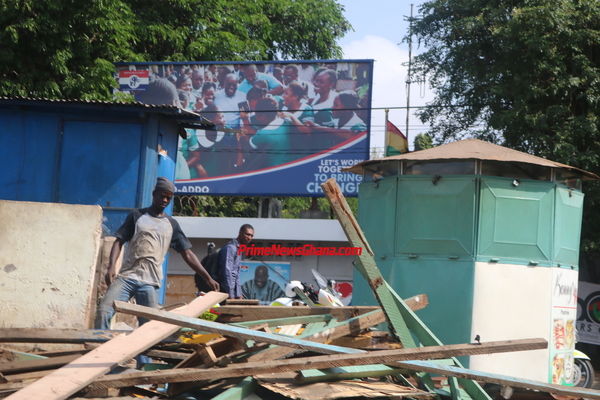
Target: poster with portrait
{"x": 264, "y": 281}
{"x": 280, "y": 128}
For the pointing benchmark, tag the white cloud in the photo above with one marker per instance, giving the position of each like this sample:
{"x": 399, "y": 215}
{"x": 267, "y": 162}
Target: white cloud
{"x": 389, "y": 85}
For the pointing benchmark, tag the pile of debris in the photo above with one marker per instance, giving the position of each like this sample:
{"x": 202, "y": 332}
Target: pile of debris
{"x": 260, "y": 352}
{"x": 292, "y": 352}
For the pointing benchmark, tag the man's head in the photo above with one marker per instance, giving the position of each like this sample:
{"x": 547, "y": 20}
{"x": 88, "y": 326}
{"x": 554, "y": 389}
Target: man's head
{"x": 246, "y": 234}
{"x": 250, "y": 72}
{"x": 290, "y": 74}
{"x": 163, "y": 193}
{"x": 231, "y": 85}
{"x": 261, "y": 276}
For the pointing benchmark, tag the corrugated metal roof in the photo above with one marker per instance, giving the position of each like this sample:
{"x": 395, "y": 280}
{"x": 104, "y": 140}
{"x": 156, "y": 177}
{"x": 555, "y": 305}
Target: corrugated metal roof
{"x": 472, "y": 149}
{"x": 185, "y": 115}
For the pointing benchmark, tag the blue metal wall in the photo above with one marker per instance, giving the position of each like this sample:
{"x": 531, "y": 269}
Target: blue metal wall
{"x": 84, "y": 155}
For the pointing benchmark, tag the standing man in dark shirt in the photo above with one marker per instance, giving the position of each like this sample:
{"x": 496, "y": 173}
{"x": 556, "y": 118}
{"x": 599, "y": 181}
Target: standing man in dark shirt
{"x": 230, "y": 262}
{"x": 149, "y": 233}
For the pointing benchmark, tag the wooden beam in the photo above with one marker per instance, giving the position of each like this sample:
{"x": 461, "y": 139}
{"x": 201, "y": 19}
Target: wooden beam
{"x": 313, "y": 376}
{"x": 327, "y": 333}
{"x": 306, "y": 319}
{"x": 470, "y": 374}
{"x": 16, "y": 367}
{"x": 390, "y": 357}
{"x": 417, "y": 302}
{"x": 365, "y": 263}
{"x": 250, "y": 313}
{"x": 77, "y": 336}
{"x": 228, "y": 330}
{"x": 79, "y": 373}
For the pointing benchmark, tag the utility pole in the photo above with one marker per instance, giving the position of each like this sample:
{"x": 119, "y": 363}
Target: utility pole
{"x": 409, "y": 78}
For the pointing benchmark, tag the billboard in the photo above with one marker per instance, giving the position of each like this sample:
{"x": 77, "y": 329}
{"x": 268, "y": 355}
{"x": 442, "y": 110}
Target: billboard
{"x": 281, "y": 128}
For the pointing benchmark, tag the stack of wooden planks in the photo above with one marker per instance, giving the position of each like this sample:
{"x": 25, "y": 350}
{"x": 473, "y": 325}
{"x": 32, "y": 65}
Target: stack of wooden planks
{"x": 291, "y": 353}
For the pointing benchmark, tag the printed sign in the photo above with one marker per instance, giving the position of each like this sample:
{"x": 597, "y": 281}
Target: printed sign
{"x": 133, "y": 80}
{"x": 562, "y": 337}
{"x": 264, "y": 281}
{"x": 280, "y": 128}
{"x": 588, "y": 313}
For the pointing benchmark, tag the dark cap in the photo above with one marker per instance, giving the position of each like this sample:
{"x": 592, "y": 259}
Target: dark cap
{"x": 163, "y": 183}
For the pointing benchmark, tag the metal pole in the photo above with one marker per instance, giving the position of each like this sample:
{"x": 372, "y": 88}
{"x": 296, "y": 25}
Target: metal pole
{"x": 409, "y": 78}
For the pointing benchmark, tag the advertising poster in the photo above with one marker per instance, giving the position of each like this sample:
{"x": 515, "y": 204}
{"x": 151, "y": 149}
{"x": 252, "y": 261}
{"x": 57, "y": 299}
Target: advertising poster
{"x": 588, "y": 313}
{"x": 280, "y": 128}
{"x": 562, "y": 337}
{"x": 264, "y": 281}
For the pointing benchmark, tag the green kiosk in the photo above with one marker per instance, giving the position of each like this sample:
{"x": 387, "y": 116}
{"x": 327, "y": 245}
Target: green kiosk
{"x": 491, "y": 235}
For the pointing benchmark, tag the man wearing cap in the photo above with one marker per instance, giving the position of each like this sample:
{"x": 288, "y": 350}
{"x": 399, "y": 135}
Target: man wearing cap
{"x": 149, "y": 233}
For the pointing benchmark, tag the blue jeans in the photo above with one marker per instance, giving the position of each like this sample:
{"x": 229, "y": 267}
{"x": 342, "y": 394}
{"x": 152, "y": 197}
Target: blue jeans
{"x": 123, "y": 290}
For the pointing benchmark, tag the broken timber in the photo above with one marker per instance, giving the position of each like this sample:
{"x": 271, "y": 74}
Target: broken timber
{"x": 79, "y": 373}
{"x": 390, "y": 357}
{"x": 227, "y": 330}
{"x": 76, "y": 336}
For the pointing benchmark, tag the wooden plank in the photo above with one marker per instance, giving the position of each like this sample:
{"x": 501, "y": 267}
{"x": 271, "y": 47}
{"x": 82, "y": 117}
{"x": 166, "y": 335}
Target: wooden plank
{"x": 417, "y": 302}
{"x": 16, "y": 367}
{"x": 27, "y": 376}
{"x": 327, "y": 333}
{"x": 286, "y": 321}
{"x": 228, "y": 330}
{"x": 312, "y": 376}
{"x": 241, "y": 302}
{"x": 252, "y": 313}
{"x": 74, "y": 376}
{"x": 365, "y": 263}
{"x": 389, "y": 357}
{"x": 77, "y": 336}
{"x": 470, "y": 374}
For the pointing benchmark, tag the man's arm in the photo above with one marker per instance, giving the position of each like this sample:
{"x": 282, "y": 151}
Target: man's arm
{"x": 115, "y": 251}
{"x": 190, "y": 259}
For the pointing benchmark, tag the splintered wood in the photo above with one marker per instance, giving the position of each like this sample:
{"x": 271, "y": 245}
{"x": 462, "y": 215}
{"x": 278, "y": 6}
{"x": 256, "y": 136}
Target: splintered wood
{"x": 231, "y": 356}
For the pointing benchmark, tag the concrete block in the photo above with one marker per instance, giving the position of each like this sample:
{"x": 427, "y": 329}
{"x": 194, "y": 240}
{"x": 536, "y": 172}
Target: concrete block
{"x": 48, "y": 256}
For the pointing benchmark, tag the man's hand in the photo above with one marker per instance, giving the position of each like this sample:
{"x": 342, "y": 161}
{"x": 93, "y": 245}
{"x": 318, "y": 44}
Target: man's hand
{"x": 214, "y": 285}
{"x": 111, "y": 274}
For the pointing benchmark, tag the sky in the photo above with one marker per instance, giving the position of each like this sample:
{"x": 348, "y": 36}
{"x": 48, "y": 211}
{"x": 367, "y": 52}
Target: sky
{"x": 379, "y": 29}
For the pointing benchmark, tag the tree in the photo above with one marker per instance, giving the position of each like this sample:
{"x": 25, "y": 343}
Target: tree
{"x": 423, "y": 141}
{"x": 524, "y": 74}
{"x": 66, "y": 49}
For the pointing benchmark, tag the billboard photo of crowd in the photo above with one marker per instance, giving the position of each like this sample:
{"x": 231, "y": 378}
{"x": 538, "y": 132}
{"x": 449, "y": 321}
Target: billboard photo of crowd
{"x": 279, "y": 128}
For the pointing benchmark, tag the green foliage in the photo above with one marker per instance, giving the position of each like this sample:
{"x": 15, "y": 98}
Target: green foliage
{"x": 65, "y": 48}
{"x": 522, "y": 73}
{"x": 423, "y": 141}
{"x": 59, "y": 49}
{"x": 247, "y": 207}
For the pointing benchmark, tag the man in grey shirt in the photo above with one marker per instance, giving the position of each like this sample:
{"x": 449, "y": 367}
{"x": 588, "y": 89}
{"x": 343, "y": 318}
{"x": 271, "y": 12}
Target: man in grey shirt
{"x": 149, "y": 233}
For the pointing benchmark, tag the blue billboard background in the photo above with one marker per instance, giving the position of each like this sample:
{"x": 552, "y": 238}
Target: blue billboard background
{"x": 281, "y": 129}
